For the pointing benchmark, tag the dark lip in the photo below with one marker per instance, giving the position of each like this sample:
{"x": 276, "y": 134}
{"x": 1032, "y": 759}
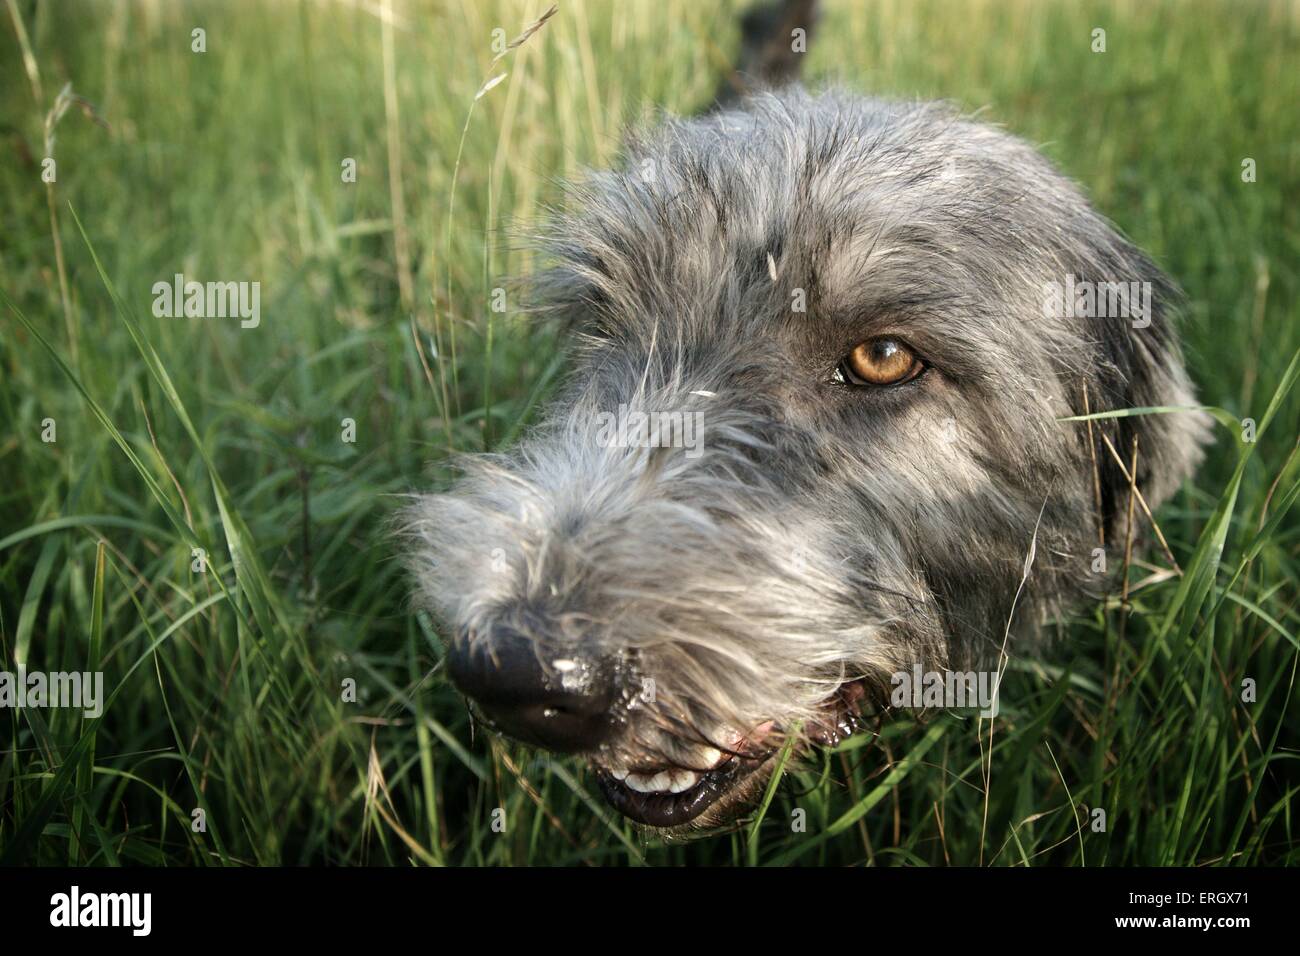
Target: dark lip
{"x": 666, "y": 810}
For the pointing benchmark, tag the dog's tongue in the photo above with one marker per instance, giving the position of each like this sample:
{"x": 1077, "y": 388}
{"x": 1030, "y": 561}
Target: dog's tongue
{"x": 751, "y": 744}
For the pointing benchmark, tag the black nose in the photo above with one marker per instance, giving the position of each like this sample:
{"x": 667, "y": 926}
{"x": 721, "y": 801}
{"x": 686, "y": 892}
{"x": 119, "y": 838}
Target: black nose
{"x": 560, "y": 701}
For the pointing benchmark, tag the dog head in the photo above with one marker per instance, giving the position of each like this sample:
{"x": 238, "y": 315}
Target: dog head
{"x": 823, "y": 347}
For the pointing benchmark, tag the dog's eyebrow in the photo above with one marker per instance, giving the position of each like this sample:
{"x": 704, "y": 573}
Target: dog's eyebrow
{"x": 929, "y": 310}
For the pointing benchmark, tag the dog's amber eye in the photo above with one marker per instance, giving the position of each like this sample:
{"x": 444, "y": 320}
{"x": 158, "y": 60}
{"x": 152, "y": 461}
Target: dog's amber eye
{"x": 881, "y": 362}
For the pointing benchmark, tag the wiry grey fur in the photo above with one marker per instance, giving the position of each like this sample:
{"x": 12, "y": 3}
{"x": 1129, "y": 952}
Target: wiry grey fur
{"x": 827, "y": 533}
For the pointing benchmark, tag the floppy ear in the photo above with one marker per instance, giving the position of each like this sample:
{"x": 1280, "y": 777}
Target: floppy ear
{"x": 569, "y": 294}
{"x": 1135, "y": 362}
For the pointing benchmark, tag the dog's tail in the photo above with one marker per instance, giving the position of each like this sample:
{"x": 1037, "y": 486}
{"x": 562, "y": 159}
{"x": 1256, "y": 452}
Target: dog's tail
{"x": 773, "y": 41}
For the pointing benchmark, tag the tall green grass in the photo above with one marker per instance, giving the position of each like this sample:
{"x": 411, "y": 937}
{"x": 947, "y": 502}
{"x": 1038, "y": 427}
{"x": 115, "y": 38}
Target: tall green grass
{"x": 177, "y": 434}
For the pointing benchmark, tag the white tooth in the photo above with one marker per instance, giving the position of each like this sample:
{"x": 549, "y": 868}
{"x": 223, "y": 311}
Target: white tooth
{"x": 683, "y": 780}
{"x": 710, "y": 758}
{"x": 640, "y": 782}
{"x": 564, "y": 665}
{"x": 665, "y": 781}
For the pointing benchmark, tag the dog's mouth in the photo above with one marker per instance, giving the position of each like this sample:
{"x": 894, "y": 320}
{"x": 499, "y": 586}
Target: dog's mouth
{"x": 666, "y": 797}
{"x": 673, "y": 796}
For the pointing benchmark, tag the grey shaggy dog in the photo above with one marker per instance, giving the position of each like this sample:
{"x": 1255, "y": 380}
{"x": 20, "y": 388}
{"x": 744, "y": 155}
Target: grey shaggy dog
{"x": 847, "y": 295}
